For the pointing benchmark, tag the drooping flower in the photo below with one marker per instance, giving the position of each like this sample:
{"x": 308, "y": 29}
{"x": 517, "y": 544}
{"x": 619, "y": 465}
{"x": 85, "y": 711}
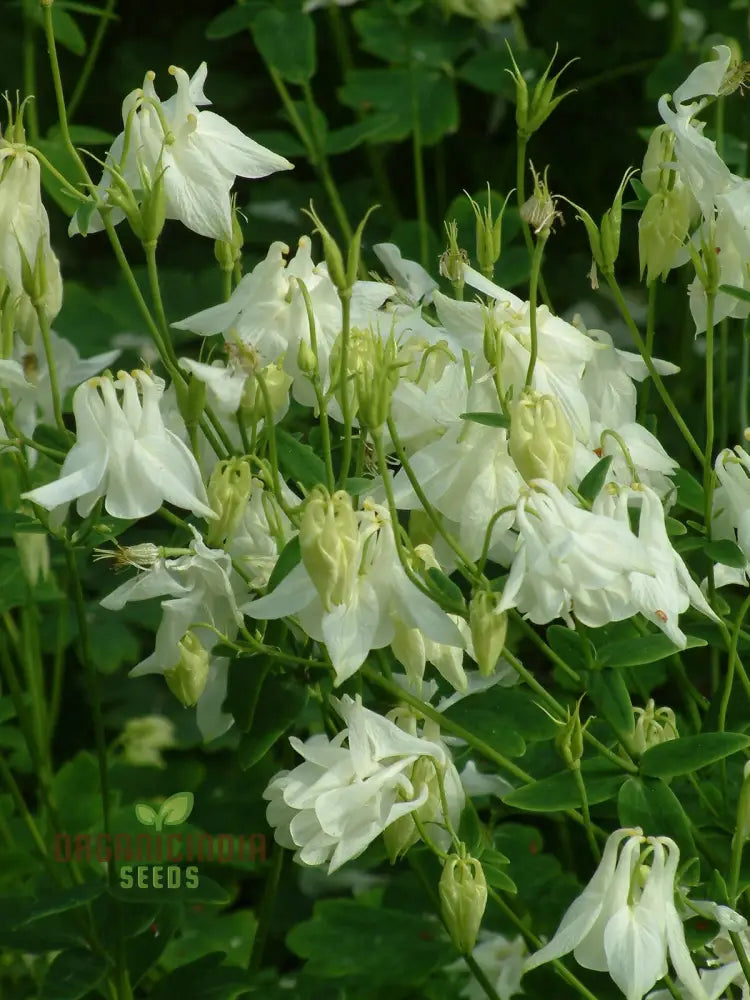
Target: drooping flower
{"x": 351, "y": 788}
{"x": 199, "y": 154}
{"x": 124, "y": 453}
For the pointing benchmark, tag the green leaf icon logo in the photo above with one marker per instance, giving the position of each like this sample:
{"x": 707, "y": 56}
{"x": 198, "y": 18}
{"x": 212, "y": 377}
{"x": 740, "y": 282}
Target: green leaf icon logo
{"x": 145, "y": 814}
{"x": 175, "y": 809}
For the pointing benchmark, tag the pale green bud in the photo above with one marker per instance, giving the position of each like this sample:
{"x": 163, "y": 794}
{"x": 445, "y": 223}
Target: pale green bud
{"x": 488, "y": 234}
{"x": 187, "y": 680}
{"x": 654, "y": 172}
{"x": 228, "y": 253}
{"x": 652, "y": 727}
{"x": 332, "y": 254}
{"x": 329, "y": 544}
{"x": 228, "y": 494}
{"x": 463, "y": 898}
{"x": 403, "y": 834}
{"x": 488, "y": 630}
{"x": 541, "y": 441}
{"x": 153, "y": 205}
{"x": 375, "y": 377}
{"x": 277, "y": 381}
{"x": 144, "y": 738}
{"x": 662, "y": 231}
{"x": 306, "y": 360}
{"x": 532, "y": 112}
{"x": 33, "y": 551}
{"x": 610, "y": 228}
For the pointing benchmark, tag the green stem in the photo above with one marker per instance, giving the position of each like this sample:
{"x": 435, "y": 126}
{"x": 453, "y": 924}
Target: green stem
{"x": 521, "y": 144}
{"x": 266, "y": 907}
{"x": 581, "y": 785}
{"x": 346, "y": 410}
{"x": 91, "y": 56}
{"x": 53, "y": 383}
{"x": 536, "y": 263}
{"x": 419, "y": 171}
{"x": 317, "y": 388}
{"x": 708, "y": 471}
{"x": 739, "y": 948}
{"x": 650, "y": 333}
{"x": 655, "y": 376}
{"x": 29, "y": 69}
{"x": 733, "y": 657}
{"x": 744, "y": 383}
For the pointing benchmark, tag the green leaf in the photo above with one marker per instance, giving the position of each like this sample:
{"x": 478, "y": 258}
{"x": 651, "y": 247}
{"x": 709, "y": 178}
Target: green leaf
{"x": 290, "y": 555}
{"x": 176, "y": 808}
{"x": 245, "y": 683}
{"x": 570, "y": 646}
{"x": 470, "y": 828}
{"x": 206, "y": 891}
{"x": 384, "y": 33}
{"x": 203, "y": 933}
{"x": 609, "y": 692}
{"x": 689, "y": 491}
{"x": 642, "y": 649}
{"x": 488, "y": 70}
{"x": 506, "y": 718}
{"x": 356, "y": 485}
{"x": 347, "y": 940}
{"x": 285, "y": 37}
{"x": 690, "y": 753}
{"x": 387, "y": 91}
{"x": 53, "y": 901}
{"x": 560, "y": 791}
{"x": 298, "y": 461}
{"x": 342, "y": 140}
{"x": 593, "y": 481}
{"x": 726, "y": 552}
{"x": 205, "y": 979}
{"x": 652, "y": 805}
{"x": 282, "y": 704}
{"x": 64, "y": 28}
{"x": 233, "y": 21}
{"x": 488, "y": 419}
{"x": 73, "y": 974}
{"x": 445, "y": 585}
{"x": 494, "y": 865}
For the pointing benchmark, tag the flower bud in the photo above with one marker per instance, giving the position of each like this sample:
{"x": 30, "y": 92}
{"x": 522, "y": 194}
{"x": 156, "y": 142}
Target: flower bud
{"x": 488, "y": 630}
{"x": 188, "y": 679}
{"x": 252, "y": 404}
{"x": 662, "y": 231}
{"x": 329, "y": 544}
{"x": 306, "y": 360}
{"x": 33, "y": 551}
{"x": 144, "y": 738}
{"x": 228, "y": 495}
{"x": 541, "y": 441}
{"x": 228, "y": 253}
{"x": 191, "y": 400}
{"x": 376, "y": 374}
{"x": 153, "y": 204}
{"x": 532, "y": 112}
{"x": 655, "y": 168}
{"x": 463, "y": 898}
{"x": 332, "y": 254}
{"x": 652, "y": 726}
{"x": 403, "y": 834}
{"x": 610, "y": 228}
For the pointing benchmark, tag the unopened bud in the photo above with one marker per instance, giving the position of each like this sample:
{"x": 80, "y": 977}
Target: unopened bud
{"x": 376, "y": 373}
{"x": 329, "y": 544}
{"x": 656, "y": 170}
{"x": 463, "y": 898}
{"x": 33, "y": 551}
{"x": 662, "y": 231}
{"x": 187, "y": 680}
{"x": 306, "y": 360}
{"x": 228, "y": 494}
{"x": 403, "y": 834}
{"x": 488, "y": 234}
{"x": 332, "y": 254}
{"x": 144, "y": 738}
{"x": 488, "y": 630}
{"x": 153, "y": 205}
{"x": 229, "y": 252}
{"x": 191, "y": 399}
{"x": 541, "y": 441}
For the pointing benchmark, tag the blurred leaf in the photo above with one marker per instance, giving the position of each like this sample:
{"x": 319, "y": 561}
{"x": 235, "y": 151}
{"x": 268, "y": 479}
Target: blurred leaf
{"x": 642, "y": 649}
{"x": 73, "y": 974}
{"x": 285, "y": 37}
{"x": 282, "y": 704}
{"x": 689, "y": 754}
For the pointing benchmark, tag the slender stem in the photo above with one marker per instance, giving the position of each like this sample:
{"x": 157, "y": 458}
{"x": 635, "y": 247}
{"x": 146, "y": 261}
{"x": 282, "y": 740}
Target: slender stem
{"x": 266, "y": 907}
{"x": 708, "y": 471}
{"x": 52, "y": 368}
{"x": 418, "y": 158}
{"x": 91, "y": 56}
{"x": 346, "y": 410}
{"x": 581, "y": 785}
{"x": 729, "y": 679}
{"x": 481, "y": 978}
{"x": 317, "y": 388}
{"x": 656, "y": 377}
{"x": 744, "y": 383}
{"x": 650, "y": 333}
{"x": 29, "y": 69}
{"x": 521, "y": 144}
{"x": 536, "y": 263}
{"x": 548, "y": 651}
{"x": 738, "y": 843}
{"x": 739, "y": 948}
{"x": 534, "y": 942}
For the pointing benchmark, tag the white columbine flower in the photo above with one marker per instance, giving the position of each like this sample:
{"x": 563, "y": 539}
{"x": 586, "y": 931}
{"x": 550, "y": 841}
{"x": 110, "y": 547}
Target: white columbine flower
{"x": 625, "y": 921}
{"x": 200, "y": 588}
{"x": 124, "y": 453}
{"x": 24, "y": 237}
{"x": 351, "y": 788}
{"x": 372, "y": 597}
{"x": 199, "y": 152}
